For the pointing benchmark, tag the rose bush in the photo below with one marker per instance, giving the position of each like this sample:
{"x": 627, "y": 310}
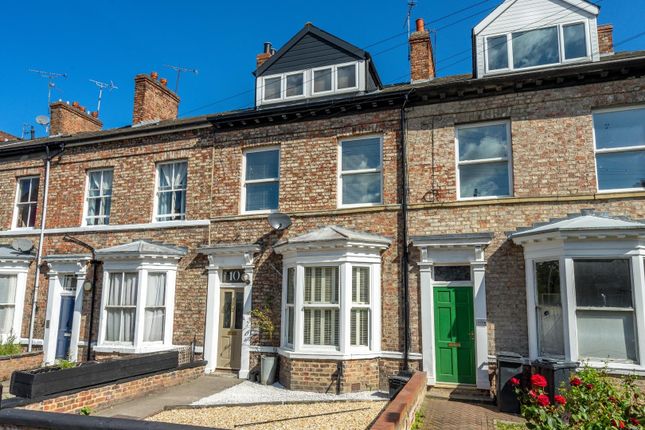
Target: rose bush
{"x": 591, "y": 401}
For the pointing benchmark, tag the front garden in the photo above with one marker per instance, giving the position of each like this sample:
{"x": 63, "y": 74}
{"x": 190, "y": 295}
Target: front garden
{"x": 591, "y": 400}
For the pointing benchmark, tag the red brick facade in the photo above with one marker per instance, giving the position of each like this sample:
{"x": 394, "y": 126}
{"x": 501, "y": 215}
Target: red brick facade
{"x": 153, "y": 101}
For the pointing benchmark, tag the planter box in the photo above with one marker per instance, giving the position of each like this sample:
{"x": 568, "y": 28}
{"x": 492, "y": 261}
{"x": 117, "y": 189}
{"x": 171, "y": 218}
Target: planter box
{"x": 52, "y": 380}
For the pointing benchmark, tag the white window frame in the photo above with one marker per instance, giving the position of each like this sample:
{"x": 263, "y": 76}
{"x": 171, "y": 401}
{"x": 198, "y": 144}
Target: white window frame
{"x": 86, "y": 199}
{"x": 316, "y": 306}
{"x": 566, "y": 252}
{"x": 613, "y": 150}
{"x": 308, "y": 83}
{"x": 341, "y": 173}
{"x": 259, "y": 181}
{"x": 508, "y": 159}
{"x": 344, "y": 260}
{"x": 560, "y": 32}
{"x": 19, "y": 270}
{"x": 357, "y": 305}
{"x": 157, "y": 217}
{"x": 14, "y": 223}
{"x": 142, "y": 269}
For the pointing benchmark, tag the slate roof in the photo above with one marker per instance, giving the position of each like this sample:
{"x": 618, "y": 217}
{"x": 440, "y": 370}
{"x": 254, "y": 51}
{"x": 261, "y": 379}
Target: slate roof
{"x": 142, "y": 247}
{"x": 470, "y": 239}
{"x": 8, "y": 253}
{"x": 335, "y": 233}
{"x": 586, "y": 220}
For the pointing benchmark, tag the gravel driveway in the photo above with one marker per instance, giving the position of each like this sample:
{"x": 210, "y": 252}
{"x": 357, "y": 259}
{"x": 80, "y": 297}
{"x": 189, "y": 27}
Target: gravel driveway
{"x": 315, "y": 416}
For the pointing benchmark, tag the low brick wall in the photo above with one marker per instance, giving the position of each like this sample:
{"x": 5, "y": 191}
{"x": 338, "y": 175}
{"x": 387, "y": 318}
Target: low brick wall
{"x": 321, "y": 375}
{"x": 26, "y": 361}
{"x": 400, "y": 412}
{"x": 100, "y": 397}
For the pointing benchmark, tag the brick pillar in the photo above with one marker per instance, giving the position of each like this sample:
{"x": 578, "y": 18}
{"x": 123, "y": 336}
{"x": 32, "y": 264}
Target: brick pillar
{"x": 606, "y": 39}
{"x": 422, "y": 66}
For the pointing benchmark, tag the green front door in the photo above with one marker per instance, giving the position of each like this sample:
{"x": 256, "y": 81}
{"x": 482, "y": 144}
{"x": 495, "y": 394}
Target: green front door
{"x": 454, "y": 334}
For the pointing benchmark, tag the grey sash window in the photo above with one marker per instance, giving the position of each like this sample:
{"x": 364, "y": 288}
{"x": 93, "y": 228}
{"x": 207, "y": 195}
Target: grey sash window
{"x": 620, "y": 148}
{"x": 27, "y": 202}
{"x": 484, "y": 160}
{"x": 172, "y": 181}
{"x": 99, "y": 197}
{"x": 121, "y": 307}
{"x": 361, "y": 171}
{"x": 261, "y": 180}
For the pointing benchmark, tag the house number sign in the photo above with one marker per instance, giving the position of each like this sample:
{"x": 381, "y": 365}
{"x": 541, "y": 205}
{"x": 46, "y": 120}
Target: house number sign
{"x": 233, "y": 276}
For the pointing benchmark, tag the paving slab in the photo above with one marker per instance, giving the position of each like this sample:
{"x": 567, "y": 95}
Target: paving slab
{"x": 179, "y": 395}
{"x": 452, "y": 415}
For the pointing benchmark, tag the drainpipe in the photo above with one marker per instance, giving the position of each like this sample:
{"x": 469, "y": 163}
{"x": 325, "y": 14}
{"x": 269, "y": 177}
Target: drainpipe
{"x": 405, "y": 257}
{"x": 43, "y": 220}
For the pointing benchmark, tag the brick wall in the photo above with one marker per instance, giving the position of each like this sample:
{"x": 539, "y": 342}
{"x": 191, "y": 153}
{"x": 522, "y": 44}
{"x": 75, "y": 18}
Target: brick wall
{"x": 25, "y": 361}
{"x": 322, "y": 375}
{"x": 66, "y": 119}
{"x": 400, "y": 413}
{"x": 606, "y": 39}
{"x": 100, "y": 397}
{"x": 153, "y": 100}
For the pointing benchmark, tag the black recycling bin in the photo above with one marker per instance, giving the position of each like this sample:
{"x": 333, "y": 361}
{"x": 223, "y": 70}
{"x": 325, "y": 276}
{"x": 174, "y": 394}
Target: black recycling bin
{"x": 557, "y": 373}
{"x": 396, "y": 383}
{"x": 510, "y": 365}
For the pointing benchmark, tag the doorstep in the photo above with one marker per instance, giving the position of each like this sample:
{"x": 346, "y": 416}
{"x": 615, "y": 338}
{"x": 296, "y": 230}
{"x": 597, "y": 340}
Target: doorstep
{"x": 462, "y": 393}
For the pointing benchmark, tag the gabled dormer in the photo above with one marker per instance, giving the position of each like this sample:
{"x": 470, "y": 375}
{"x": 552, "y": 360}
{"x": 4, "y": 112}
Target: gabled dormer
{"x": 521, "y": 35}
{"x": 313, "y": 64}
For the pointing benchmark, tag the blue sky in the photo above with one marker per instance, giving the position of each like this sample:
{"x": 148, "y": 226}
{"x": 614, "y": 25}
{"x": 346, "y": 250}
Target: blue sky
{"x": 115, "y": 40}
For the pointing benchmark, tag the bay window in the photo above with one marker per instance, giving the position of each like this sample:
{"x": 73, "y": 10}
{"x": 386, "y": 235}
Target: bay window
{"x": 331, "y": 300}
{"x": 13, "y": 284}
{"x": 586, "y": 290}
{"x": 484, "y": 160}
{"x": 619, "y": 136}
{"x": 138, "y": 297}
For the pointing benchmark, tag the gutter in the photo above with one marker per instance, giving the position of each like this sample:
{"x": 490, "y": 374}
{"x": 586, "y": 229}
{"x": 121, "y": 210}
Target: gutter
{"x": 405, "y": 257}
{"x": 43, "y": 220}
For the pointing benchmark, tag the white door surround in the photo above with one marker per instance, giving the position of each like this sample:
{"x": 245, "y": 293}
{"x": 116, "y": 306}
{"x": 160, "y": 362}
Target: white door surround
{"x": 220, "y": 257}
{"x": 60, "y": 265}
{"x": 454, "y": 250}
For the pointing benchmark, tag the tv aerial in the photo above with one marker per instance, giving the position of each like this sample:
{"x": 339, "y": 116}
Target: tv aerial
{"x": 179, "y": 71}
{"x": 51, "y": 77}
{"x": 279, "y": 221}
{"x": 44, "y": 121}
{"x": 22, "y": 245}
{"x": 102, "y": 86}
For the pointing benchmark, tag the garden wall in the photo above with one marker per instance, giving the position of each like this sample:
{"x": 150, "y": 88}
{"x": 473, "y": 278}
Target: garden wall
{"x": 399, "y": 414}
{"x": 26, "y": 361}
{"x": 100, "y": 397}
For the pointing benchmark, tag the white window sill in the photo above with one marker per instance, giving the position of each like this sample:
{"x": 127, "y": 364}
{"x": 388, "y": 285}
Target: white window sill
{"x": 621, "y": 190}
{"x": 108, "y": 227}
{"x": 328, "y": 355}
{"x": 131, "y": 349}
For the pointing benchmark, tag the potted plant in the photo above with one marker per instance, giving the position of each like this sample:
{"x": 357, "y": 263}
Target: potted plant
{"x": 263, "y": 321}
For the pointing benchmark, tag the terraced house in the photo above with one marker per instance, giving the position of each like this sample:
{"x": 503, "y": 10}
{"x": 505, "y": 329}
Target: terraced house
{"x": 434, "y": 223}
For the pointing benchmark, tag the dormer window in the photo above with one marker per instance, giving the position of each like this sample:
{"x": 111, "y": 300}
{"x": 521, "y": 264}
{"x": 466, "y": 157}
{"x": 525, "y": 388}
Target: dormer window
{"x": 535, "y": 48}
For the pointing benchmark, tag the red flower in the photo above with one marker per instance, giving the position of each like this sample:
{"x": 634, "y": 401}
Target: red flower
{"x": 538, "y": 381}
{"x": 532, "y": 394}
{"x": 559, "y": 399}
{"x": 618, "y": 424}
{"x": 515, "y": 381}
{"x": 575, "y": 382}
{"x": 634, "y": 421}
{"x": 589, "y": 386}
{"x": 543, "y": 400}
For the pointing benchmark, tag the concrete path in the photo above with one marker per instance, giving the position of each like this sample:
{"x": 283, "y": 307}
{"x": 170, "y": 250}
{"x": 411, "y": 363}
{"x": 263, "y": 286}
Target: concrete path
{"x": 450, "y": 414}
{"x": 184, "y": 394}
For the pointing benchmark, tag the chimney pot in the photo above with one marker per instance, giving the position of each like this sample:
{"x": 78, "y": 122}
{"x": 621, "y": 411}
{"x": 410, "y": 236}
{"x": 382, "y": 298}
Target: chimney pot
{"x": 163, "y": 81}
{"x": 420, "y": 24}
{"x": 82, "y": 108}
{"x": 95, "y": 114}
{"x": 75, "y": 104}
{"x": 268, "y": 49}
{"x": 154, "y": 75}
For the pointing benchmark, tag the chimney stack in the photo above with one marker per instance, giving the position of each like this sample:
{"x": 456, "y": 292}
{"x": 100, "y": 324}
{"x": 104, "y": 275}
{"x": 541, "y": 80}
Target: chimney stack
{"x": 72, "y": 119}
{"x": 606, "y": 39}
{"x": 265, "y": 55}
{"x": 153, "y": 101}
{"x": 422, "y": 66}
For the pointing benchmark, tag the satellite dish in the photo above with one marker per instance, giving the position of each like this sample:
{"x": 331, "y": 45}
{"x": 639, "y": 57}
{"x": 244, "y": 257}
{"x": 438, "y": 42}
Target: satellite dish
{"x": 279, "y": 221}
{"x": 42, "y": 119}
{"x": 22, "y": 245}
